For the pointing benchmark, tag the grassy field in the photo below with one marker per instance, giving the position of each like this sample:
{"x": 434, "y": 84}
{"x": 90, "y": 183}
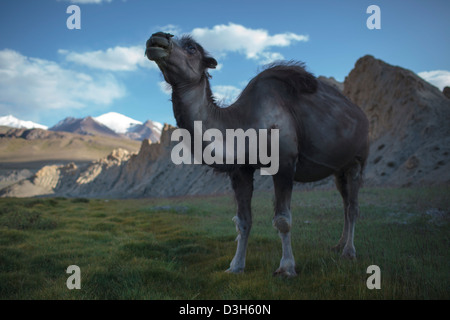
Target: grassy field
{"x": 178, "y": 248}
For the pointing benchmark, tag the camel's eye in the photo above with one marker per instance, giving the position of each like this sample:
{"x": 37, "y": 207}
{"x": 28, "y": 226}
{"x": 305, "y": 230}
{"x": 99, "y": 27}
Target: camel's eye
{"x": 190, "y": 48}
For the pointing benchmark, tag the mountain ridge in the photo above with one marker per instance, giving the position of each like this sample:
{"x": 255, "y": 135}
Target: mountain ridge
{"x": 117, "y": 122}
{"x": 84, "y": 126}
{"x": 112, "y": 124}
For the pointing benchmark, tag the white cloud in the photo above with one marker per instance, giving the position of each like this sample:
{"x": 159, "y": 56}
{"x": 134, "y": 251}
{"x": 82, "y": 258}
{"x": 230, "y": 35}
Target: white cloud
{"x": 165, "y": 87}
{"x": 32, "y": 86}
{"x": 256, "y": 44}
{"x": 438, "y": 78}
{"x": 225, "y": 95}
{"x": 169, "y": 28}
{"x": 253, "y": 43}
{"x": 268, "y": 57}
{"x": 112, "y": 59}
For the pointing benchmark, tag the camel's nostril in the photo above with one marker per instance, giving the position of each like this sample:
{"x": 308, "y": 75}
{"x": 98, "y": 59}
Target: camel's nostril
{"x": 158, "y": 46}
{"x": 158, "y": 41}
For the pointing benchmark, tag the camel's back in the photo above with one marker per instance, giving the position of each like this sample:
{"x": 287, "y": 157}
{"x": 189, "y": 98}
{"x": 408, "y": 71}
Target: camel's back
{"x": 330, "y": 129}
{"x": 333, "y": 130}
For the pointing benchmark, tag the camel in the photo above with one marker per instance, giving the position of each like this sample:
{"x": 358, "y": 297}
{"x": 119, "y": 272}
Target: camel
{"x": 321, "y": 133}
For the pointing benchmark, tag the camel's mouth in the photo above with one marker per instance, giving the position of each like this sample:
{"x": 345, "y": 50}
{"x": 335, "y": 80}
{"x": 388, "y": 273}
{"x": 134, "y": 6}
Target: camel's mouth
{"x": 158, "y": 46}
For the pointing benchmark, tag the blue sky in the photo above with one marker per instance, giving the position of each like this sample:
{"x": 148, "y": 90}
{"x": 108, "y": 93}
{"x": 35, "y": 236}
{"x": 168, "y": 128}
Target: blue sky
{"x": 48, "y": 72}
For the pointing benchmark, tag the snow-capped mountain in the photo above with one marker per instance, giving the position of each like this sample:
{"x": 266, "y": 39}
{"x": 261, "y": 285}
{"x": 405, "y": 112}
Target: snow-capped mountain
{"x": 130, "y": 127}
{"x": 117, "y": 122}
{"x": 111, "y": 124}
{"x": 11, "y": 121}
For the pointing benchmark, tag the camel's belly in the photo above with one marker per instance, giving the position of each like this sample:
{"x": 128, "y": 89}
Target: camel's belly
{"x": 309, "y": 171}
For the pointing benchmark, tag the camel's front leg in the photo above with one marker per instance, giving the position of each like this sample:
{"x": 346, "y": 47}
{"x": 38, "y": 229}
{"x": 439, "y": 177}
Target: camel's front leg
{"x": 237, "y": 265}
{"x": 282, "y": 220}
{"x": 242, "y": 182}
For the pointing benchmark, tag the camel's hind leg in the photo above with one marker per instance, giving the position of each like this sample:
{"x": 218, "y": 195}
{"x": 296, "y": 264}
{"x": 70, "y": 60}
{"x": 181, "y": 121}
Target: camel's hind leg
{"x": 283, "y": 183}
{"x": 348, "y": 182}
{"x": 242, "y": 183}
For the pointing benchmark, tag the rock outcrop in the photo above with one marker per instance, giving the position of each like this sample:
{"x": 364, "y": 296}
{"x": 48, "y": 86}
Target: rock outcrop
{"x": 148, "y": 173}
{"x": 409, "y": 124}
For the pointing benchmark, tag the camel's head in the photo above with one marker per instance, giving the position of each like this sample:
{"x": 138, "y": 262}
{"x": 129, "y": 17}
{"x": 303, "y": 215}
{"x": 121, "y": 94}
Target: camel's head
{"x": 181, "y": 61}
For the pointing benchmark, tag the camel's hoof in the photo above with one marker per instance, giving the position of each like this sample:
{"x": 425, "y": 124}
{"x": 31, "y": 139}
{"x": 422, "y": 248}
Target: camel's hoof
{"x": 349, "y": 253}
{"x": 234, "y": 271}
{"x": 348, "y": 257}
{"x": 285, "y": 273}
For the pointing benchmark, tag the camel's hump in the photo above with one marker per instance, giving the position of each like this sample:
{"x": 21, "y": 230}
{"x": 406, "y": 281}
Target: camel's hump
{"x": 292, "y": 74}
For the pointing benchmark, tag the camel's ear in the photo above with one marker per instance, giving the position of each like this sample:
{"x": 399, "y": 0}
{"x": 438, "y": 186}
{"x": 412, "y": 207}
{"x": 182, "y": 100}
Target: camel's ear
{"x": 210, "y": 62}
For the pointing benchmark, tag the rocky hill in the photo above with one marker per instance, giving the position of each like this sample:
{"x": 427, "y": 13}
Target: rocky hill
{"x": 148, "y": 173}
{"x": 409, "y": 124}
{"x": 20, "y": 147}
{"x": 148, "y": 130}
{"x": 409, "y": 132}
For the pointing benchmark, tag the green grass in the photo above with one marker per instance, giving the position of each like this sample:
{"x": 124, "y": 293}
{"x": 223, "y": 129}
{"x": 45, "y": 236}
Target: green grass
{"x": 178, "y": 248}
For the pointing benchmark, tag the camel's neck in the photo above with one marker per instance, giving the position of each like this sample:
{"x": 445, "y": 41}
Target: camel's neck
{"x": 193, "y": 102}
